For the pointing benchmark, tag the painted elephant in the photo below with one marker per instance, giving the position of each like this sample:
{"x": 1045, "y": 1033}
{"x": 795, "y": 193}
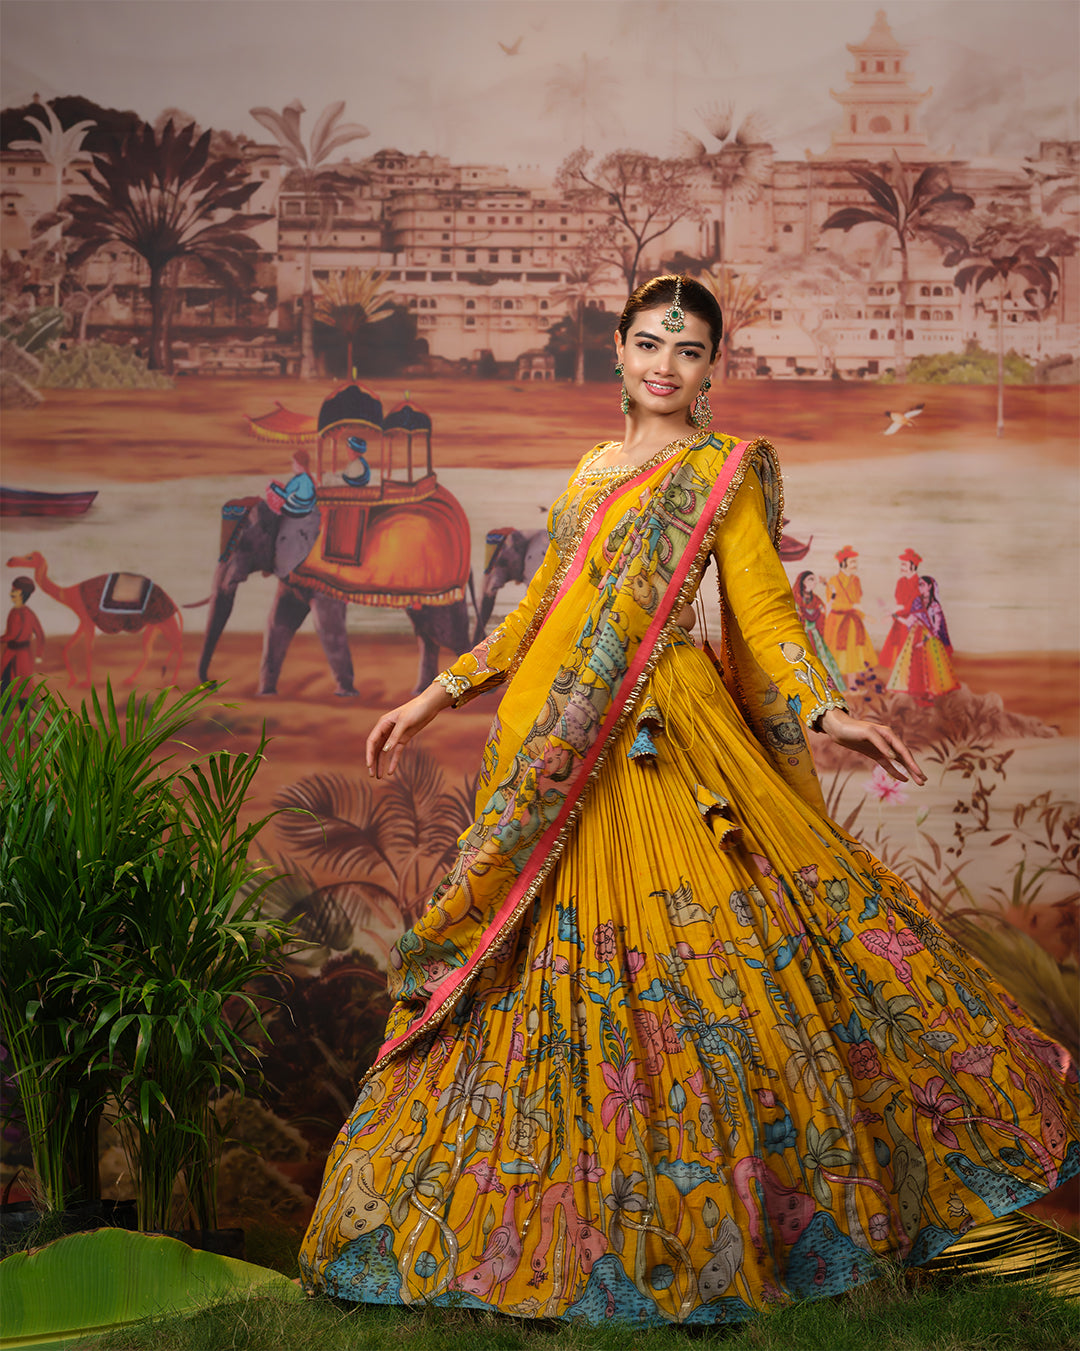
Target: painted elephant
{"x": 329, "y": 558}
{"x": 512, "y": 556}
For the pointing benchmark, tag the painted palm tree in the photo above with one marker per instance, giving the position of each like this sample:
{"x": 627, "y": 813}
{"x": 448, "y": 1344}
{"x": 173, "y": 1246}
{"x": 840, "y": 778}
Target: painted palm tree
{"x": 741, "y": 302}
{"x": 166, "y": 200}
{"x": 311, "y": 163}
{"x": 738, "y": 158}
{"x": 350, "y": 300}
{"x": 913, "y": 213}
{"x": 60, "y": 149}
{"x": 1014, "y": 247}
{"x": 382, "y": 852}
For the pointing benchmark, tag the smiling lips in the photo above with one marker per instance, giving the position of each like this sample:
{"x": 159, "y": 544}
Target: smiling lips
{"x": 660, "y": 390}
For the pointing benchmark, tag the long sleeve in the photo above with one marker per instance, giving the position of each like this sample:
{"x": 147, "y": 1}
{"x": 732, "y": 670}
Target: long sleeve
{"x": 757, "y": 592}
{"x": 489, "y": 662}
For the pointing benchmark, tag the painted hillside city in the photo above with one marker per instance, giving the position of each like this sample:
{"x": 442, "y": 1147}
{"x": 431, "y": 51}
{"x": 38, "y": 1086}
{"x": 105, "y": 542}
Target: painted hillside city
{"x": 306, "y": 315}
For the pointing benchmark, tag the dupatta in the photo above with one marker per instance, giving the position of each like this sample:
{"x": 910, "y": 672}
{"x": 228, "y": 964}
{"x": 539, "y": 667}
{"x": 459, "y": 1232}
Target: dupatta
{"x": 584, "y": 661}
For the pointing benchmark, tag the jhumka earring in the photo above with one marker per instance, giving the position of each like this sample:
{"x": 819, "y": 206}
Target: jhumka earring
{"x": 701, "y": 412}
{"x": 624, "y": 402}
{"x": 674, "y": 320}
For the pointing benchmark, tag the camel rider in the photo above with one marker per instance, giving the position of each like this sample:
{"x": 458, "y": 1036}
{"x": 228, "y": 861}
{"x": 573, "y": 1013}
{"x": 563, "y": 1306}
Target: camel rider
{"x": 23, "y": 630}
{"x": 297, "y": 497}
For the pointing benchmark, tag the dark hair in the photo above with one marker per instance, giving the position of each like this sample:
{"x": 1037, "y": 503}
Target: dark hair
{"x": 932, "y": 585}
{"x": 800, "y": 584}
{"x": 693, "y": 298}
{"x": 25, "y": 585}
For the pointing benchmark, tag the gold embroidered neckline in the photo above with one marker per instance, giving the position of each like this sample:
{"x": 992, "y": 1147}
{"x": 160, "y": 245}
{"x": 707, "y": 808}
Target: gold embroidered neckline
{"x": 612, "y": 471}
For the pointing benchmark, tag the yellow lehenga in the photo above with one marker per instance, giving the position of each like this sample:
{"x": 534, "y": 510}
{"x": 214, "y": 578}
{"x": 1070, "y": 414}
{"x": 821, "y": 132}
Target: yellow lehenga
{"x": 716, "y": 1055}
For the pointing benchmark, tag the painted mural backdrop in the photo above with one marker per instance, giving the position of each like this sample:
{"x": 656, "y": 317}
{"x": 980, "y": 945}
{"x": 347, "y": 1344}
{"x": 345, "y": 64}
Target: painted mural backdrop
{"x": 307, "y": 313}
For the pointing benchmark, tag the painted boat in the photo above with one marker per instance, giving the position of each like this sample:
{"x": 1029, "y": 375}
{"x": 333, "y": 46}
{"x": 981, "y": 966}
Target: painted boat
{"x": 31, "y": 502}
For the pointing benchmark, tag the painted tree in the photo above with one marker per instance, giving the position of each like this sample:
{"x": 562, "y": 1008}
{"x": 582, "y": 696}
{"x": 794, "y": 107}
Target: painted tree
{"x": 349, "y": 301}
{"x": 737, "y": 158}
{"x": 639, "y": 196}
{"x": 742, "y": 303}
{"x": 60, "y": 148}
{"x": 1015, "y": 250}
{"x": 815, "y": 290}
{"x": 587, "y": 266}
{"x": 166, "y": 200}
{"x": 917, "y": 212}
{"x": 310, "y": 163}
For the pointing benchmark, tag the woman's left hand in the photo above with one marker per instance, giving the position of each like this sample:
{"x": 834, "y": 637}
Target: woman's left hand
{"x": 874, "y": 740}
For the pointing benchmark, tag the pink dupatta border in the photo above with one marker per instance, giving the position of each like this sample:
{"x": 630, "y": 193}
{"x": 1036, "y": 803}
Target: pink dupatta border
{"x": 445, "y": 991}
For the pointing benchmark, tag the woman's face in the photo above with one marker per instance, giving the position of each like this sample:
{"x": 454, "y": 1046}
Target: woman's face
{"x": 663, "y": 371}
{"x": 924, "y": 588}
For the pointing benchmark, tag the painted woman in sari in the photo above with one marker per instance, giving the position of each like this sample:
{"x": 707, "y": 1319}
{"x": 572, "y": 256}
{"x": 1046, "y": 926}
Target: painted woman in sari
{"x": 668, "y": 1044}
{"x": 924, "y": 667}
{"x": 811, "y": 612}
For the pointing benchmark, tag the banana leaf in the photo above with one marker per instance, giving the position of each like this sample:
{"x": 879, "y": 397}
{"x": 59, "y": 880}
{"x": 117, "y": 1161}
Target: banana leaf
{"x": 90, "y": 1283}
{"x": 1017, "y": 1248}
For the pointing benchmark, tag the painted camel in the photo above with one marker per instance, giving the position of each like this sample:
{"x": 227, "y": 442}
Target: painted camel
{"x": 115, "y": 602}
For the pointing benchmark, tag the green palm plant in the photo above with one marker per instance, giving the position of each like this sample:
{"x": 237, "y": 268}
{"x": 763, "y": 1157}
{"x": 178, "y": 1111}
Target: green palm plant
{"x": 131, "y": 924}
{"x": 311, "y": 162}
{"x": 913, "y": 212}
{"x": 164, "y": 198}
{"x": 350, "y": 300}
{"x": 60, "y": 149}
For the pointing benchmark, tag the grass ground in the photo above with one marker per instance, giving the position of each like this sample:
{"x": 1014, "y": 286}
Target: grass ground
{"x": 894, "y": 1313}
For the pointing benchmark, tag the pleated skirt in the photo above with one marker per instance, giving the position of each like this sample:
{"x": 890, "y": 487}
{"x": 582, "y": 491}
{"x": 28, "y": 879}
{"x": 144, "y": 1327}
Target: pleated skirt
{"x": 726, "y": 1061}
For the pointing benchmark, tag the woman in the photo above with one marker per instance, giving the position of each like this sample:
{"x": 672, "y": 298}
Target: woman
{"x": 924, "y": 667}
{"x": 811, "y": 611}
{"x": 668, "y": 1044}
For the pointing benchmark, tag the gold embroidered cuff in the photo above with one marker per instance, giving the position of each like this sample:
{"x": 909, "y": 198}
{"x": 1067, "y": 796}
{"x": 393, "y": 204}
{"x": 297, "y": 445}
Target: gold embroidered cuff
{"x": 815, "y": 715}
{"x": 455, "y": 686}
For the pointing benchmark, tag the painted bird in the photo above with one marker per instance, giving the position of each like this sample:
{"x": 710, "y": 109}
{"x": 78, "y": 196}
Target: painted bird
{"x": 512, "y": 50}
{"x": 898, "y": 420}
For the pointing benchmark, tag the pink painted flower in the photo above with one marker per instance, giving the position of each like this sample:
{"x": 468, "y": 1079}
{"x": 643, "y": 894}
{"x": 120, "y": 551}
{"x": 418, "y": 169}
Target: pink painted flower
{"x": 884, "y": 787}
{"x": 975, "y": 1060}
{"x": 487, "y": 1177}
{"x": 809, "y": 874}
{"x": 934, "y": 1101}
{"x": 604, "y": 942}
{"x": 864, "y": 1117}
{"x": 767, "y": 1097}
{"x": 864, "y": 1061}
{"x": 879, "y": 1226}
{"x": 633, "y": 961}
{"x": 588, "y": 1168}
{"x": 627, "y": 1093}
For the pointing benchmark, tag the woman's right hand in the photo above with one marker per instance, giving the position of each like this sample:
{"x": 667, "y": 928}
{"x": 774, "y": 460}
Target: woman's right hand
{"x": 394, "y": 729}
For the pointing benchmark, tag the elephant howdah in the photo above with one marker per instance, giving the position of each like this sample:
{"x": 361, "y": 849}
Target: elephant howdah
{"x": 398, "y": 545}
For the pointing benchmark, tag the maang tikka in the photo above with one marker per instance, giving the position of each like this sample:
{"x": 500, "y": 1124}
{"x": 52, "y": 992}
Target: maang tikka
{"x": 674, "y": 320}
